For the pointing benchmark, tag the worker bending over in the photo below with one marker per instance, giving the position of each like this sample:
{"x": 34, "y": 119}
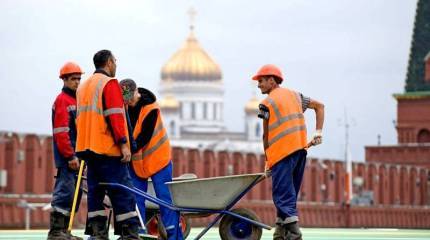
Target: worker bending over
{"x": 152, "y": 158}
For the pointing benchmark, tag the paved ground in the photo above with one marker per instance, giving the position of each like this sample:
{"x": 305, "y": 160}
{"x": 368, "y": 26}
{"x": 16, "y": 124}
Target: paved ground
{"x": 308, "y": 233}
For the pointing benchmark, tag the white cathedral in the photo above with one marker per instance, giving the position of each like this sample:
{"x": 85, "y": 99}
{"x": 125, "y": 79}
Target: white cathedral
{"x": 192, "y": 102}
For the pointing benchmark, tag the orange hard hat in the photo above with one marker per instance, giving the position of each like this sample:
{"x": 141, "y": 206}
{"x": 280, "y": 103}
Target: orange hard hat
{"x": 268, "y": 70}
{"x": 69, "y": 68}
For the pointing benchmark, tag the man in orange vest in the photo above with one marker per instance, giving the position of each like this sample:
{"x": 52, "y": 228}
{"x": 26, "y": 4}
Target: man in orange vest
{"x": 103, "y": 142}
{"x": 66, "y": 162}
{"x": 152, "y": 158}
{"x": 285, "y": 145}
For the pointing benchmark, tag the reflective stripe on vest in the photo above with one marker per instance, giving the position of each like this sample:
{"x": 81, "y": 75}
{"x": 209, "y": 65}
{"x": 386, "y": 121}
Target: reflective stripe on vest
{"x": 111, "y": 111}
{"x": 93, "y": 132}
{"x": 281, "y": 119}
{"x": 286, "y": 125}
{"x": 71, "y": 108}
{"x": 61, "y": 129}
{"x": 95, "y": 101}
{"x": 157, "y": 153}
{"x": 152, "y": 149}
{"x": 286, "y": 132}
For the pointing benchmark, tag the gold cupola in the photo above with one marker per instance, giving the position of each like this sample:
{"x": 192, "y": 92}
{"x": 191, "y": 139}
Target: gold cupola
{"x": 252, "y": 105}
{"x": 191, "y": 63}
{"x": 169, "y": 102}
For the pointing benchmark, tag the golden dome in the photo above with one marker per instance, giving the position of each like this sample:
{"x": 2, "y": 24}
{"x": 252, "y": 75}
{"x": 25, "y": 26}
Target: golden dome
{"x": 252, "y": 105}
{"x": 191, "y": 62}
{"x": 169, "y": 102}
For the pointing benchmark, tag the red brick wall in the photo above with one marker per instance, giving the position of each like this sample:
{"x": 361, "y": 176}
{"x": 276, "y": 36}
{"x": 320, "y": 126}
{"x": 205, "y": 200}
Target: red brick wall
{"x": 15, "y": 166}
{"x": 12, "y": 216}
{"x": 311, "y": 215}
{"x": 413, "y": 115}
{"x": 413, "y": 154}
{"x": 413, "y": 135}
{"x": 28, "y": 160}
{"x": 337, "y": 216}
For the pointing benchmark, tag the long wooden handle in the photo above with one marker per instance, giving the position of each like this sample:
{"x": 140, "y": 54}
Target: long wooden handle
{"x": 75, "y": 197}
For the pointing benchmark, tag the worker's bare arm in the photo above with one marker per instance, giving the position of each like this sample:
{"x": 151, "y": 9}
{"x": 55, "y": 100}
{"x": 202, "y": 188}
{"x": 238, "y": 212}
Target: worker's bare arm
{"x": 318, "y": 107}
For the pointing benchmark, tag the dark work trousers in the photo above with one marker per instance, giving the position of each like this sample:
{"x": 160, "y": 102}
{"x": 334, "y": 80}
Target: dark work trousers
{"x": 287, "y": 176}
{"x": 111, "y": 170}
{"x": 64, "y": 191}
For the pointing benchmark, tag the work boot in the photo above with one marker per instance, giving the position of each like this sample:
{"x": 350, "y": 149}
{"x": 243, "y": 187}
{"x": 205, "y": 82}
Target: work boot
{"x": 279, "y": 233}
{"x": 99, "y": 228}
{"x": 129, "y": 232}
{"x": 293, "y": 231}
{"x": 66, "y": 226}
{"x": 56, "y": 227}
{"x": 88, "y": 230}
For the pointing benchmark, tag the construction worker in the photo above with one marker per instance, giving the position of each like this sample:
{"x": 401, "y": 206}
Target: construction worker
{"x": 102, "y": 141}
{"x": 285, "y": 145}
{"x": 152, "y": 158}
{"x": 66, "y": 162}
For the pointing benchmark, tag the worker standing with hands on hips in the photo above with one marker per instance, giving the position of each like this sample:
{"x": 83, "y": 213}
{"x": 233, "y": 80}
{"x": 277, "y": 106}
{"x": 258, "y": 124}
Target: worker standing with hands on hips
{"x": 152, "y": 158}
{"x": 66, "y": 162}
{"x": 285, "y": 145}
{"x": 103, "y": 142}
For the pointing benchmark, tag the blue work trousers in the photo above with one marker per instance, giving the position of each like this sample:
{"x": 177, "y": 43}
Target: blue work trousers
{"x": 169, "y": 218}
{"x": 287, "y": 176}
{"x": 111, "y": 170}
{"x": 64, "y": 191}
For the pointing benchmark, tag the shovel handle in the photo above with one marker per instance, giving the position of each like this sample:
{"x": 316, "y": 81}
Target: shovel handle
{"x": 75, "y": 197}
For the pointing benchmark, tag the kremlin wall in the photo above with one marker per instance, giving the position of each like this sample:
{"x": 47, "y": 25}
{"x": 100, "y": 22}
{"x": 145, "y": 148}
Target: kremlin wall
{"x": 400, "y": 192}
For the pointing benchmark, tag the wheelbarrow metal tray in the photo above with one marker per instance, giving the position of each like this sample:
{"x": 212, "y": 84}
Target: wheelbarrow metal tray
{"x": 214, "y": 193}
{"x": 151, "y": 191}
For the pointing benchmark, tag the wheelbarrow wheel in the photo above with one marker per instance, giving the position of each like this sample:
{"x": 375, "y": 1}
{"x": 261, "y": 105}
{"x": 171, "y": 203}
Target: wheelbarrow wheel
{"x": 232, "y": 228}
{"x": 152, "y": 225}
{"x": 155, "y": 227}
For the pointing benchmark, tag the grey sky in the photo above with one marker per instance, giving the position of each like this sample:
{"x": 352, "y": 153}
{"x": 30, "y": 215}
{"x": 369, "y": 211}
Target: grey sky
{"x": 349, "y": 54}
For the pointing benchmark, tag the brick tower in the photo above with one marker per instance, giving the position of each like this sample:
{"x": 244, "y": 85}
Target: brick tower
{"x": 413, "y": 106}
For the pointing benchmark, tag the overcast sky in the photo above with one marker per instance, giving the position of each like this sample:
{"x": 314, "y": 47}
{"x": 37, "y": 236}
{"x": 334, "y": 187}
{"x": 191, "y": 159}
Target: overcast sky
{"x": 347, "y": 54}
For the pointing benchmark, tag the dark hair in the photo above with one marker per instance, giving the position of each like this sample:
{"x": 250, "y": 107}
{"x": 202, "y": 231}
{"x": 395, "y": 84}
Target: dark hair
{"x": 278, "y": 80}
{"x": 101, "y": 58}
{"x": 128, "y": 83}
{"x": 66, "y": 76}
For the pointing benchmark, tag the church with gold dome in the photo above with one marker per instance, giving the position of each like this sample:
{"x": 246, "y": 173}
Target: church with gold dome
{"x": 192, "y": 103}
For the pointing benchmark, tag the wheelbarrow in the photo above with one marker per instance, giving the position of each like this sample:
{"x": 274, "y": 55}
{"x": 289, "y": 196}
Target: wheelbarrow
{"x": 153, "y": 223}
{"x": 216, "y": 195}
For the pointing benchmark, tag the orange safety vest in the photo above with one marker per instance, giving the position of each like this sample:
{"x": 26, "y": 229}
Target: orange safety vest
{"x": 93, "y": 132}
{"x": 155, "y": 155}
{"x": 286, "y": 125}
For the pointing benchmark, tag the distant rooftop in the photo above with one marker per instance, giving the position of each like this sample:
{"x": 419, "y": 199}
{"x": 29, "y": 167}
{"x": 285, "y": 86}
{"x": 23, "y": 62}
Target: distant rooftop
{"x": 412, "y": 95}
